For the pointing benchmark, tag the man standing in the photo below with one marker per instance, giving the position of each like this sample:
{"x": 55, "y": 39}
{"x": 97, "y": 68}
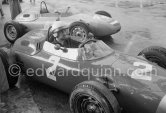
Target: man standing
{"x": 15, "y": 8}
{"x": 1, "y": 10}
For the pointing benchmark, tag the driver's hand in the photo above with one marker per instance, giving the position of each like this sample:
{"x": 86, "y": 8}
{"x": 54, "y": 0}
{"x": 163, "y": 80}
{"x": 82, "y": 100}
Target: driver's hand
{"x": 90, "y": 35}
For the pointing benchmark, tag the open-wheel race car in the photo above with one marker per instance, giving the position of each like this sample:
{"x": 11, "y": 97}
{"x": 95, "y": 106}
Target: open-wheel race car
{"x": 99, "y": 79}
{"x": 100, "y": 24}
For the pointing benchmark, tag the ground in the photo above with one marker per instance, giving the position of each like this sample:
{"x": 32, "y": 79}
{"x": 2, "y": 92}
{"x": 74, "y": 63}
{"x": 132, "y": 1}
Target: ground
{"x": 140, "y": 29}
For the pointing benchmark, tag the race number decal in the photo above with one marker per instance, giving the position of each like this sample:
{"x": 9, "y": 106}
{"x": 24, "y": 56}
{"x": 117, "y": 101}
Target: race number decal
{"x": 52, "y": 70}
{"x": 141, "y": 73}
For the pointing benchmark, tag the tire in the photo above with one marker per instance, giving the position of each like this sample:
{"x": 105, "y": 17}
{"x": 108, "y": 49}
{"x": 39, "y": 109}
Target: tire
{"x": 155, "y": 54}
{"x": 12, "y": 80}
{"x": 74, "y": 30}
{"x": 87, "y": 93}
{"x": 16, "y": 33}
{"x": 103, "y": 13}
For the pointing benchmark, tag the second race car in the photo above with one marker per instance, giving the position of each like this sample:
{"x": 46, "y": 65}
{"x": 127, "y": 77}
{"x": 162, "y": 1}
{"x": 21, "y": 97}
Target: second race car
{"x": 100, "y": 24}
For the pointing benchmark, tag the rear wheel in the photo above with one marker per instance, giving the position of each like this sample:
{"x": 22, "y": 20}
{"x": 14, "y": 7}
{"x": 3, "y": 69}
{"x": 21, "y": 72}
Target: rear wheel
{"x": 80, "y": 30}
{"x": 13, "y": 31}
{"x": 155, "y": 54}
{"x": 12, "y": 80}
{"x": 93, "y": 97}
{"x": 104, "y": 13}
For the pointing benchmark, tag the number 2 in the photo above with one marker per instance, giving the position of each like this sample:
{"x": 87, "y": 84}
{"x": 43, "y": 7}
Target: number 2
{"x": 141, "y": 73}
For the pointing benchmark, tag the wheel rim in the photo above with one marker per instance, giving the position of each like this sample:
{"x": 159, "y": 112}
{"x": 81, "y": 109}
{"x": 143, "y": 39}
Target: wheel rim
{"x": 85, "y": 103}
{"x": 80, "y": 32}
{"x": 11, "y": 32}
{"x": 156, "y": 60}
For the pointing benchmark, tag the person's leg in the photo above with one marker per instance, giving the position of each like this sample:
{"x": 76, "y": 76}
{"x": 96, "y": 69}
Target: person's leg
{"x": 15, "y": 8}
{"x": 1, "y": 10}
{"x": 20, "y": 78}
{"x": 2, "y": 13}
{"x": 4, "y": 86}
{"x": 33, "y": 2}
{"x": 1, "y": 103}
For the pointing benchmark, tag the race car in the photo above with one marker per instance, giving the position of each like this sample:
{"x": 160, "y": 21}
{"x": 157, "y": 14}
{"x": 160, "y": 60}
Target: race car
{"x": 100, "y": 24}
{"x": 98, "y": 78}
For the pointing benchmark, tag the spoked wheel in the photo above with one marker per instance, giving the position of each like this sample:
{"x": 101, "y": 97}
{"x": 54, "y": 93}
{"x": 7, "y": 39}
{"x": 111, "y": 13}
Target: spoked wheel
{"x": 93, "y": 97}
{"x": 80, "y": 30}
{"x": 155, "y": 54}
{"x": 12, "y": 31}
{"x": 88, "y": 104}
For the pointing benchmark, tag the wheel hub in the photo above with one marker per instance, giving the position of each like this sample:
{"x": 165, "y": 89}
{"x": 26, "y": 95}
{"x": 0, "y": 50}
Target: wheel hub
{"x": 11, "y": 32}
{"x": 80, "y": 33}
{"x": 92, "y": 108}
{"x": 90, "y": 105}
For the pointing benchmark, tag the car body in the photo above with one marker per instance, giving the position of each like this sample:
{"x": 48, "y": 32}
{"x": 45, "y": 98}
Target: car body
{"x": 99, "y": 25}
{"x": 96, "y": 22}
{"x": 138, "y": 85}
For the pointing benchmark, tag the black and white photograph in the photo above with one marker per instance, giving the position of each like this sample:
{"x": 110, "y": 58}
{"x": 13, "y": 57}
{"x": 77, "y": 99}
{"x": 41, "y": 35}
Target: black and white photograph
{"x": 82, "y": 56}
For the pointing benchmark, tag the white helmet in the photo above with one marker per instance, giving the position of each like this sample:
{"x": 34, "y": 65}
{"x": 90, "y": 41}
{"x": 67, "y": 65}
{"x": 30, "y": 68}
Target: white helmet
{"x": 58, "y": 26}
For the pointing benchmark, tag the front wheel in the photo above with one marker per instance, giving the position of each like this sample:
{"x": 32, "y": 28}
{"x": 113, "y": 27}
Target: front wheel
{"x": 93, "y": 97}
{"x": 13, "y": 31}
{"x": 155, "y": 54}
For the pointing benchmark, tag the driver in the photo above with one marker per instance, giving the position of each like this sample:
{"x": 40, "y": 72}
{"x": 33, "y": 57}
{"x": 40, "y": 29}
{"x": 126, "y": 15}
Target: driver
{"x": 59, "y": 33}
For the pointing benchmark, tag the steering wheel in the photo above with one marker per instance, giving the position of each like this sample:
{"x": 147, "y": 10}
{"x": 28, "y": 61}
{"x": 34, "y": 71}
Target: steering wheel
{"x": 49, "y": 34}
{"x": 88, "y": 41}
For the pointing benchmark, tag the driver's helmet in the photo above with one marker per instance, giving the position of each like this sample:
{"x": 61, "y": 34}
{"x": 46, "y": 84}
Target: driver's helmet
{"x": 58, "y": 32}
{"x": 58, "y": 26}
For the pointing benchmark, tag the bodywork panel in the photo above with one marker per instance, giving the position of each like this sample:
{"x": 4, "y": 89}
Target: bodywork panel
{"x": 139, "y": 86}
{"x": 31, "y": 43}
{"x": 100, "y": 25}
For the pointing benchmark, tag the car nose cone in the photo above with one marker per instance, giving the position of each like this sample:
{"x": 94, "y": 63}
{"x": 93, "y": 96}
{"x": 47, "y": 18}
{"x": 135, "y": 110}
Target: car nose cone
{"x": 162, "y": 106}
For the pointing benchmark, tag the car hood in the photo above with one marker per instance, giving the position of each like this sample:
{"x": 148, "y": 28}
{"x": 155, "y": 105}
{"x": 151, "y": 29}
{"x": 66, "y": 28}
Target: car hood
{"x": 139, "y": 73}
{"x": 26, "y": 17}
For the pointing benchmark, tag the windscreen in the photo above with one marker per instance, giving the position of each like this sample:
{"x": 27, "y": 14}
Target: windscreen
{"x": 95, "y": 50}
